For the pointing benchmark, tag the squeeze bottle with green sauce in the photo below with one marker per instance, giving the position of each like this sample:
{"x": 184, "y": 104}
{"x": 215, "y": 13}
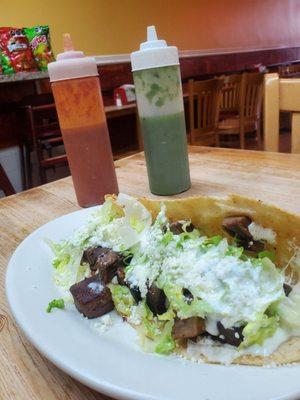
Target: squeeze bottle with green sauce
{"x": 157, "y": 80}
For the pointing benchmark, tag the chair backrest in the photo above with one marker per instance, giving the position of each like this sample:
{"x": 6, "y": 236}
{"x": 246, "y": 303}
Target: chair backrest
{"x": 230, "y": 96}
{"x": 286, "y": 70}
{"x": 204, "y": 102}
{"x": 281, "y": 95}
{"x": 251, "y": 96}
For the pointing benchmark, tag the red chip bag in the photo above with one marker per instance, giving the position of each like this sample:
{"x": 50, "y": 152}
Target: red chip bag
{"x": 14, "y": 44}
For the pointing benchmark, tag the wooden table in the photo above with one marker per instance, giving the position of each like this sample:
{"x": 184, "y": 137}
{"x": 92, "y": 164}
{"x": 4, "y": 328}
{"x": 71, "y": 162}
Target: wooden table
{"x": 25, "y": 374}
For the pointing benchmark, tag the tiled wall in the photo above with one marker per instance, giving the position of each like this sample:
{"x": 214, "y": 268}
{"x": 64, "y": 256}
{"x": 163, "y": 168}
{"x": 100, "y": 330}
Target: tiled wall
{"x": 10, "y": 161}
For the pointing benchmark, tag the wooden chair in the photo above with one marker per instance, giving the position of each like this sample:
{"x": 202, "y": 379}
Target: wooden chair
{"x": 5, "y": 183}
{"x": 289, "y": 70}
{"x": 249, "y": 114}
{"x": 204, "y": 102}
{"x": 281, "y": 95}
{"x": 10, "y": 135}
{"x": 44, "y": 134}
{"x": 230, "y": 95}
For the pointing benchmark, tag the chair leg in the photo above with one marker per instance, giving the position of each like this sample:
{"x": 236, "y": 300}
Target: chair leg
{"x": 43, "y": 176}
{"x": 217, "y": 140}
{"x": 242, "y": 138}
{"x": 23, "y": 167}
{"x": 258, "y": 134}
{"x": 28, "y": 167}
{"x": 5, "y": 183}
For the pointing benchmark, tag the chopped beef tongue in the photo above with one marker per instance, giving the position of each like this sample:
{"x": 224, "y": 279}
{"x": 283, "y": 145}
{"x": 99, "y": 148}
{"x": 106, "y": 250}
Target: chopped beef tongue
{"x": 176, "y": 227}
{"x": 91, "y": 297}
{"x": 231, "y": 336}
{"x": 104, "y": 260}
{"x": 136, "y": 294}
{"x": 188, "y": 296}
{"x": 91, "y": 255}
{"x": 188, "y": 328}
{"x": 287, "y": 289}
{"x": 238, "y": 227}
{"x": 156, "y": 300}
{"x": 121, "y": 276}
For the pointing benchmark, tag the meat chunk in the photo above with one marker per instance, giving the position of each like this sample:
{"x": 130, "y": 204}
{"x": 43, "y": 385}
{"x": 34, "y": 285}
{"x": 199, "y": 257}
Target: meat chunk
{"x": 91, "y": 254}
{"x": 238, "y": 227}
{"x": 135, "y": 292}
{"x": 156, "y": 300}
{"x": 188, "y": 296}
{"x": 107, "y": 265}
{"x": 91, "y": 297}
{"x": 231, "y": 336}
{"x": 121, "y": 276}
{"x": 188, "y": 328}
{"x": 176, "y": 227}
{"x": 104, "y": 260}
{"x": 287, "y": 289}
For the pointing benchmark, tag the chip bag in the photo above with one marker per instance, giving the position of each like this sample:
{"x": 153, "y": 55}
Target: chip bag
{"x": 39, "y": 40}
{"x": 5, "y": 64}
{"x": 15, "y": 50}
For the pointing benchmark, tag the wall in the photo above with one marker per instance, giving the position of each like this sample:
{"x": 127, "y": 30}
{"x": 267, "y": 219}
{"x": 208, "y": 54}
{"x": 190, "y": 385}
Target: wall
{"x": 117, "y": 26}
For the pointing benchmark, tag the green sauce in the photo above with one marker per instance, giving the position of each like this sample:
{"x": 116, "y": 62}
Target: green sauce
{"x": 166, "y": 153}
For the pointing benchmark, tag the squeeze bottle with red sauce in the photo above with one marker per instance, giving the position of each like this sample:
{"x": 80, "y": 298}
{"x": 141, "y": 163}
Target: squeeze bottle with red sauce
{"x": 77, "y": 93}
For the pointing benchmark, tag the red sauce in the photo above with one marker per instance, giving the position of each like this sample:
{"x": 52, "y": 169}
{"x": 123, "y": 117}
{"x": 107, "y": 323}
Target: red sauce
{"x": 86, "y": 139}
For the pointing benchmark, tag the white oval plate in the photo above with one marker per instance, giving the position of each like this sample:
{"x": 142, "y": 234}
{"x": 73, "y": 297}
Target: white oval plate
{"x": 112, "y": 362}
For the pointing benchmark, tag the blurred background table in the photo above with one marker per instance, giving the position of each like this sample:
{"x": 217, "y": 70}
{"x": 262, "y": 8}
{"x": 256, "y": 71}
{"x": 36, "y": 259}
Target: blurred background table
{"x": 25, "y": 373}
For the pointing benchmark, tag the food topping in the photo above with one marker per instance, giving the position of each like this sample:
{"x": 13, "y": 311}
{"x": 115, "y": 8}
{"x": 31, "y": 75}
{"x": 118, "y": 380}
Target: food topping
{"x": 188, "y": 328}
{"x": 156, "y": 300}
{"x": 238, "y": 227}
{"x": 91, "y": 297}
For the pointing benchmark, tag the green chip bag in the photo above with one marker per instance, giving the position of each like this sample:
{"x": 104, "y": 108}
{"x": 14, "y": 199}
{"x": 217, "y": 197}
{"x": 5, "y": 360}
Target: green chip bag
{"x": 6, "y": 66}
{"x": 39, "y": 40}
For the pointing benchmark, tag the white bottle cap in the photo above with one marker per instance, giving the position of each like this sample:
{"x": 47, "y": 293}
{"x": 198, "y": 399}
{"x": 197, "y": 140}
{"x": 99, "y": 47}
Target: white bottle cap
{"x": 154, "y": 53}
{"x": 71, "y": 64}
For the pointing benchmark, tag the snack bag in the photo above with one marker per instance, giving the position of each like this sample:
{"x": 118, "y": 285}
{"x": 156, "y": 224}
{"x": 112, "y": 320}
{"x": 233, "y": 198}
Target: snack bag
{"x": 5, "y": 64}
{"x": 39, "y": 40}
{"x": 16, "y": 52}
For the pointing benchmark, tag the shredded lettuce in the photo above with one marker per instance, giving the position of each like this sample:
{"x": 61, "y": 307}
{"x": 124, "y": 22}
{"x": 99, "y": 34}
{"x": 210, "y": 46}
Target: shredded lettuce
{"x": 196, "y": 308}
{"x": 211, "y": 242}
{"x": 234, "y": 251}
{"x": 56, "y": 303}
{"x": 267, "y": 254}
{"x": 122, "y": 299}
{"x": 289, "y": 309}
{"x": 256, "y": 332}
{"x": 159, "y": 331}
{"x": 165, "y": 343}
{"x": 108, "y": 212}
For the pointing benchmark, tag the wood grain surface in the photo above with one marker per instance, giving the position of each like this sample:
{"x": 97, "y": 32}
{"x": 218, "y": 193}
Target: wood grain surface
{"x": 26, "y": 374}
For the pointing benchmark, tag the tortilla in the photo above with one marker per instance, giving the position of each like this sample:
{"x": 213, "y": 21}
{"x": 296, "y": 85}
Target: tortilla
{"x": 207, "y": 214}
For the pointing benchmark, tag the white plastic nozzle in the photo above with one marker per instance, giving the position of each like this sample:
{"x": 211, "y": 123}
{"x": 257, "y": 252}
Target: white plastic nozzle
{"x": 152, "y": 41}
{"x": 68, "y": 47}
{"x": 154, "y": 53}
{"x": 71, "y": 64}
{"x": 151, "y": 33}
{"x": 67, "y": 42}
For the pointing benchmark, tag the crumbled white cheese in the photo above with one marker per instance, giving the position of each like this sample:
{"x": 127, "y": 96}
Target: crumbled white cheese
{"x": 103, "y": 324}
{"x": 135, "y": 316}
{"x": 96, "y": 287}
{"x": 260, "y": 233}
